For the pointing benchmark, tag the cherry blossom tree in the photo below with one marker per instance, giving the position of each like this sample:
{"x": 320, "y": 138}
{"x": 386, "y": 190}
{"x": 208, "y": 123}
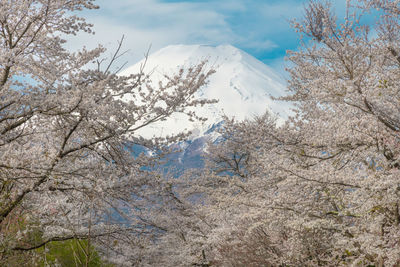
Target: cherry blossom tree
{"x": 68, "y": 133}
{"x": 323, "y": 188}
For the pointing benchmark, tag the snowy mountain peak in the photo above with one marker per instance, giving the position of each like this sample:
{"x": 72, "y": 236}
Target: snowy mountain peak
{"x": 242, "y": 84}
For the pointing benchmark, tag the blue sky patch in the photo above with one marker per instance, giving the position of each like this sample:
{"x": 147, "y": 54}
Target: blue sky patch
{"x": 259, "y": 27}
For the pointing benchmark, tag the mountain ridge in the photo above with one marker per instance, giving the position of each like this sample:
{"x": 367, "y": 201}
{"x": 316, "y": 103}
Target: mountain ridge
{"x": 242, "y": 84}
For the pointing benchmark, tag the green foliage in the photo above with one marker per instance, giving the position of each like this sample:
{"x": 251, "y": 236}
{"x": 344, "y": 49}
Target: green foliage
{"x": 75, "y": 252}
{"x": 70, "y": 253}
{"x": 18, "y": 259}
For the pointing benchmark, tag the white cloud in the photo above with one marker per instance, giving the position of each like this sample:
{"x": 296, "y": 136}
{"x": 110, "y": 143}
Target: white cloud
{"x": 254, "y": 25}
{"x": 150, "y": 22}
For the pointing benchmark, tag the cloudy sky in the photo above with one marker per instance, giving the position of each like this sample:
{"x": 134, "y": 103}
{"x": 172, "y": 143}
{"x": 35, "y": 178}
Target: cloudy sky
{"x": 260, "y": 27}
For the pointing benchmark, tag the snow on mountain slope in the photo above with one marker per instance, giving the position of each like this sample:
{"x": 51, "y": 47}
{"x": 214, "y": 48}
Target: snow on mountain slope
{"x": 242, "y": 84}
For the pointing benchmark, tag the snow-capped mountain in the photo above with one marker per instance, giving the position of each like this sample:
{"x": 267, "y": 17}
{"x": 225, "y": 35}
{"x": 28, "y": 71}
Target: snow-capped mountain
{"x": 242, "y": 84}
